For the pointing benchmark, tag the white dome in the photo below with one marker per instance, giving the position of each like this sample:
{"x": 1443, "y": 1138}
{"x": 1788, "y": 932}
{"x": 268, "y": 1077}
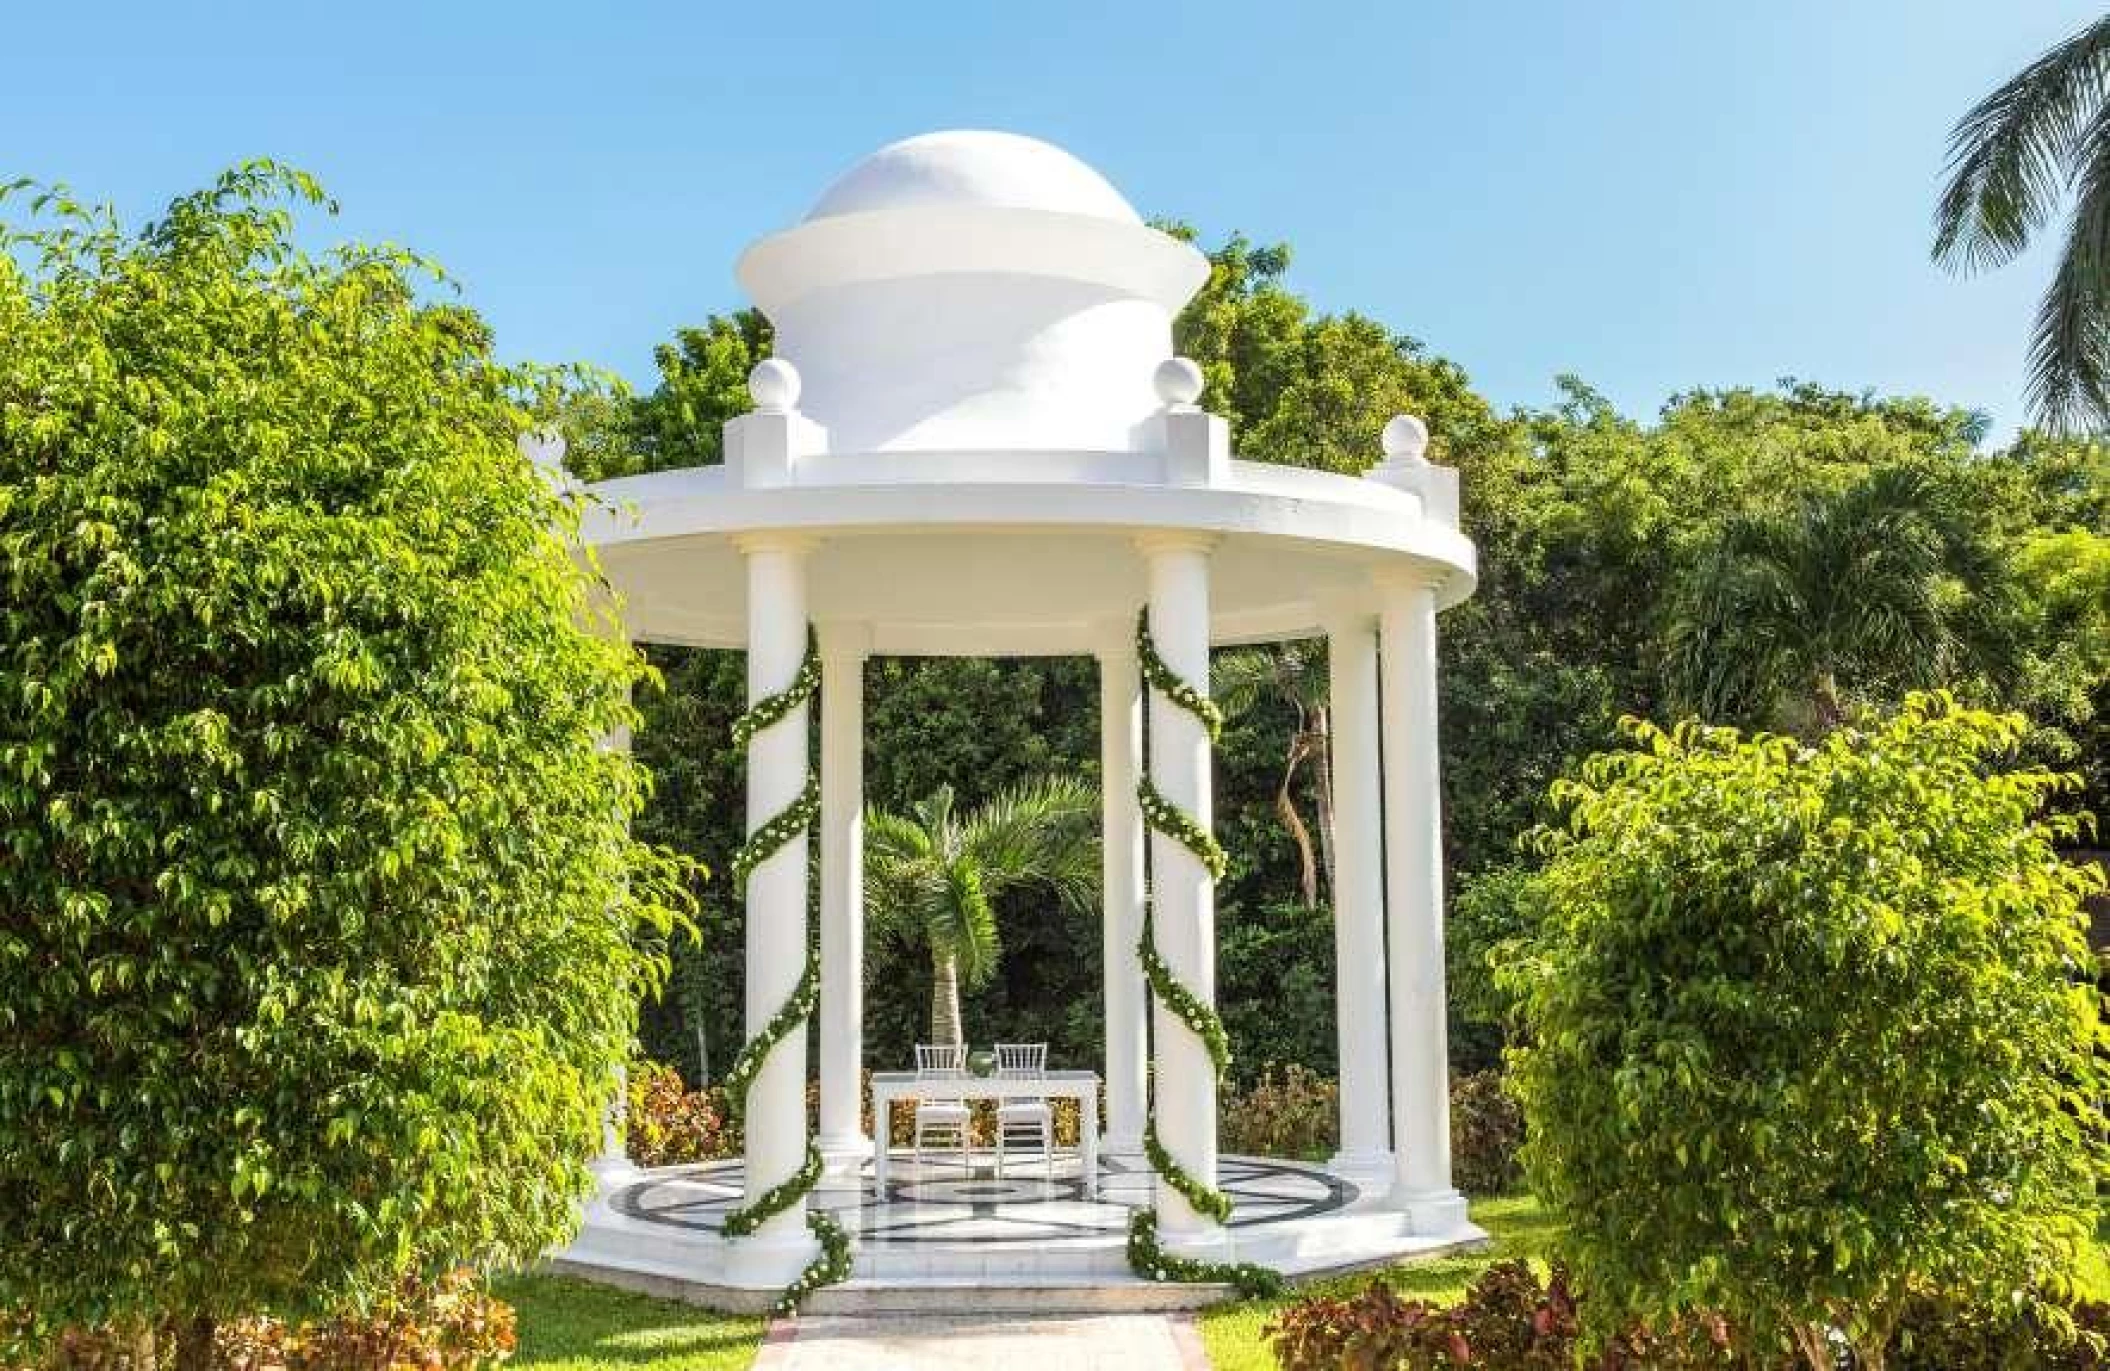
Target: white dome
{"x": 963, "y": 167}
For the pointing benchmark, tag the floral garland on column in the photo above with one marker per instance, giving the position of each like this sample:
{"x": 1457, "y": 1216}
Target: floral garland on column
{"x": 833, "y": 1263}
{"x": 1144, "y": 1255}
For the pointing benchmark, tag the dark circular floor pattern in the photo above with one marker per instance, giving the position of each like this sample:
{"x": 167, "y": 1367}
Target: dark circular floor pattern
{"x": 943, "y": 1201}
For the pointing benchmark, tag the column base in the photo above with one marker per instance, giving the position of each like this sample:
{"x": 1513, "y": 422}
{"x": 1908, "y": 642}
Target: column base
{"x": 1126, "y": 1147}
{"x": 844, "y": 1155}
{"x": 770, "y": 1259}
{"x": 1370, "y": 1170}
{"x": 1433, "y": 1213}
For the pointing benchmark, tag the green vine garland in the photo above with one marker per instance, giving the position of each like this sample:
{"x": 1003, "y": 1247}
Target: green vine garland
{"x": 1154, "y": 1263}
{"x": 833, "y": 1262}
{"x": 1145, "y": 1257}
{"x": 1160, "y": 676}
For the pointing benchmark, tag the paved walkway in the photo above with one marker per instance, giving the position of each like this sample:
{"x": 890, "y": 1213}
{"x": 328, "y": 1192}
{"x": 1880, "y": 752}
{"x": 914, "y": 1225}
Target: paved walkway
{"x": 1105, "y": 1342}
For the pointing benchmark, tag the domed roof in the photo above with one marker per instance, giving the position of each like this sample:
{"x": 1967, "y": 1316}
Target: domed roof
{"x": 973, "y": 167}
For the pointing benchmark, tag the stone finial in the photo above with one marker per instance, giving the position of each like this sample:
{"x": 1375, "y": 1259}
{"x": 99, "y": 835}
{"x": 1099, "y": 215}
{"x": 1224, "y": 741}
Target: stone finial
{"x": 1179, "y": 382}
{"x": 774, "y": 384}
{"x": 1406, "y": 441}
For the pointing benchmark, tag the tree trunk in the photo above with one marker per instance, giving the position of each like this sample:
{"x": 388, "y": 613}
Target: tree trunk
{"x": 945, "y": 1000}
{"x": 194, "y": 1343}
{"x": 1286, "y": 806}
{"x": 1322, "y": 789}
{"x": 1815, "y": 1345}
{"x": 1830, "y": 711}
{"x": 144, "y": 1354}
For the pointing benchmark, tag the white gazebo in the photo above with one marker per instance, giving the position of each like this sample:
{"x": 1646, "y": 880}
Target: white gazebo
{"x": 975, "y": 441}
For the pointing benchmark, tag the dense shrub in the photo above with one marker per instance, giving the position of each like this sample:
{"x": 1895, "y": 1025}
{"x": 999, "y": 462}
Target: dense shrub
{"x": 1733, "y": 939}
{"x": 1941, "y": 1335}
{"x": 668, "y": 1124}
{"x": 450, "y": 1324}
{"x": 321, "y": 931}
{"x": 1290, "y": 1111}
{"x": 1487, "y": 1128}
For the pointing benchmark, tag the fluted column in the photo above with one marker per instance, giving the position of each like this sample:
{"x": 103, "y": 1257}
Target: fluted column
{"x": 1421, "y": 1137}
{"x": 1121, "y": 852}
{"x": 1182, "y": 892}
{"x": 1358, "y": 898}
{"x": 776, "y": 889}
{"x": 842, "y": 1138}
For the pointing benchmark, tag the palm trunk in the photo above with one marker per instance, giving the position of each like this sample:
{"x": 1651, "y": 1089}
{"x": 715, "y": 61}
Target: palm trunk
{"x": 945, "y": 999}
{"x": 1322, "y": 789}
{"x": 1286, "y": 806}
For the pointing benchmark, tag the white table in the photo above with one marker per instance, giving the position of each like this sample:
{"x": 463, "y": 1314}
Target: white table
{"x": 1081, "y": 1086}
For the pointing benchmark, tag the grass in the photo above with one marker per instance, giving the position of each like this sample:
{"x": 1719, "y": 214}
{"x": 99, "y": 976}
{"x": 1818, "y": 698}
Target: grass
{"x": 568, "y": 1325}
{"x": 1231, "y": 1332}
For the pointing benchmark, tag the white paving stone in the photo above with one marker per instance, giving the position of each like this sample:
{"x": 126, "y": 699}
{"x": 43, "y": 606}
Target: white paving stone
{"x": 1121, "y": 1342}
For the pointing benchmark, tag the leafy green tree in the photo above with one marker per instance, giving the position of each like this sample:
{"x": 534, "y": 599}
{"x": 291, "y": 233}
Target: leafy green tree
{"x": 2013, "y": 161}
{"x": 1810, "y": 1027}
{"x": 316, "y": 922}
{"x": 930, "y": 875}
{"x": 1294, "y": 674}
{"x": 1882, "y": 586}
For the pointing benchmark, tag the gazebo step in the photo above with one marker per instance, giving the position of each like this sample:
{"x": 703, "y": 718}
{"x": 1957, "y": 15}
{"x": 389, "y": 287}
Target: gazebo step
{"x": 1007, "y": 1262}
{"x": 943, "y": 1295}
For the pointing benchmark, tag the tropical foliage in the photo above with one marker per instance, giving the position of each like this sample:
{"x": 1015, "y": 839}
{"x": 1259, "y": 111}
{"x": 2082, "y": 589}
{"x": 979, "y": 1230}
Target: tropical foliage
{"x": 1735, "y": 936}
{"x": 931, "y": 875}
{"x": 321, "y": 933}
{"x": 2014, "y": 160}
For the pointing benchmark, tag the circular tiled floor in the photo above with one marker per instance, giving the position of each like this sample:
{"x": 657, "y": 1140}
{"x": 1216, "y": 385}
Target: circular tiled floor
{"x": 943, "y": 1200}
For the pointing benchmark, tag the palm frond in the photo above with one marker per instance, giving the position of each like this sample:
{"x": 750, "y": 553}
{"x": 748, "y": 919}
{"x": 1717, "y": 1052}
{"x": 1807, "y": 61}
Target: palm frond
{"x": 2008, "y": 157}
{"x": 2069, "y": 355}
{"x": 1030, "y": 832}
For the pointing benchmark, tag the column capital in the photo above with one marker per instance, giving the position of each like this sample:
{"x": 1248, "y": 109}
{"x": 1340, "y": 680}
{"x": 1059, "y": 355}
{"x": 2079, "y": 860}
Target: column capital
{"x": 790, "y": 541}
{"x": 1344, "y": 612}
{"x": 1175, "y": 540}
{"x": 844, "y": 640}
{"x": 1114, "y": 639}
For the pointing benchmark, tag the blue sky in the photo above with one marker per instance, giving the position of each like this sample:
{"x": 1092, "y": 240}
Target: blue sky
{"x": 1657, "y": 196}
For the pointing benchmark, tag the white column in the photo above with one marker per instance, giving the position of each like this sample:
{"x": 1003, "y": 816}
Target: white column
{"x": 1421, "y": 1133}
{"x": 1358, "y": 898}
{"x": 842, "y": 1138}
{"x": 1184, "y": 895}
{"x": 776, "y": 890}
{"x": 1121, "y": 849}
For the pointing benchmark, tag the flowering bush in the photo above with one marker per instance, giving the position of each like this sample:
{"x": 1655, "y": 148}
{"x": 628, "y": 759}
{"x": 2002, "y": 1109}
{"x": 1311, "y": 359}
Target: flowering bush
{"x": 450, "y": 1324}
{"x": 1510, "y": 1320}
{"x": 1487, "y": 1128}
{"x": 1296, "y": 1113}
{"x": 669, "y": 1124}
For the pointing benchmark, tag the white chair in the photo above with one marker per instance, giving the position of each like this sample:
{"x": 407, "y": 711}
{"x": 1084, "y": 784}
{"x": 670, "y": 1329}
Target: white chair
{"x": 941, "y": 1118}
{"x": 1024, "y": 1118}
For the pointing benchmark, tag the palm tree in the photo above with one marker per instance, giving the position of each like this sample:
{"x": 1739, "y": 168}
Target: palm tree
{"x": 1878, "y": 587}
{"x": 2012, "y": 161}
{"x": 931, "y": 876}
{"x": 1295, "y": 674}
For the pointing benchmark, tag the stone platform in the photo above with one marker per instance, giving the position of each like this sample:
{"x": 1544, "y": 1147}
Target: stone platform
{"x": 948, "y": 1232}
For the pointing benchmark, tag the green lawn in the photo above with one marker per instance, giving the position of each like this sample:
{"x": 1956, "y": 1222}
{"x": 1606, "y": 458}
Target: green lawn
{"x": 568, "y": 1325}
